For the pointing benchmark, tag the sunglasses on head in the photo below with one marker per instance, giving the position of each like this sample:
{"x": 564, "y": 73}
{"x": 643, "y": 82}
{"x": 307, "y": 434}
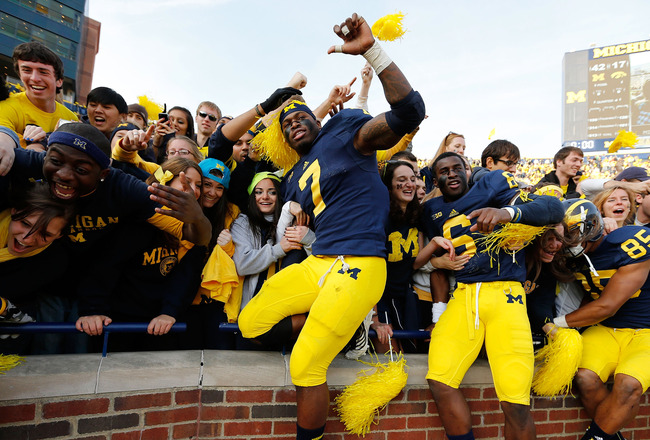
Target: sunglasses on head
{"x": 210, "y": 116}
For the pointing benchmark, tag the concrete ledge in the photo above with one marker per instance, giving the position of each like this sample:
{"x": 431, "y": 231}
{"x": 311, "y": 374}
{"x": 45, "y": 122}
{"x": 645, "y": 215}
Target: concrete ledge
{"x": 67, "y": 375}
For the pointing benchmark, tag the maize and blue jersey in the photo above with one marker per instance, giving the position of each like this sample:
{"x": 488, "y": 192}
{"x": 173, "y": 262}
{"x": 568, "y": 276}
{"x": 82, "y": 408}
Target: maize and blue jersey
{"x": 341, "y": 191}
{"x": 624, "y": 246}
{"x": 496, "y": 190}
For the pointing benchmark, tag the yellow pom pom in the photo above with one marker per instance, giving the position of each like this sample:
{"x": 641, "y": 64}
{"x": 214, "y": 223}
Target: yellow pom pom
{"x": 7, "y": 362}
{"x": 360, "y": 402}
{"x": 273, "y": 146}
{"x": 389, "y": 27}
{"x": 153, "y": 108}
{"x": 622, "y": 140}
{"x": 560, "y": 358}
{"x": 510, "y": 238}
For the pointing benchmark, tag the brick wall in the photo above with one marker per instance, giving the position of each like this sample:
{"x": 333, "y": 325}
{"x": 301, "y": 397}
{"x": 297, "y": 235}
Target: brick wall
{"x": 237, "y": 395}
{"x": 269, "y": 413}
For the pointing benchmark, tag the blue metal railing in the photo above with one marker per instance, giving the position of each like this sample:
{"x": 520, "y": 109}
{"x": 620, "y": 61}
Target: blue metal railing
{"x": 68, "y": 327}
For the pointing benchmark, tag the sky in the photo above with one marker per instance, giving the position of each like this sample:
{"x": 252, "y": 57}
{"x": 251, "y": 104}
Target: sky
{"x": 478, "y": 65}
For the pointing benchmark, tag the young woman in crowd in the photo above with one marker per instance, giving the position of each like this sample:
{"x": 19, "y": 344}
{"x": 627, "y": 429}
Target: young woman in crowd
{"x": 259, "y": 242}
{"x": 180, "y": 122}
{"x": 398, "y": 307}
{"x": 615, "y": 205}
{"x": 218, "y": 297}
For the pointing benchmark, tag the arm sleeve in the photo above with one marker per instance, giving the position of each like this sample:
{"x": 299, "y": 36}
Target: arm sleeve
{"x": 28, "y": 163}
{"x": 220, "y": 147}
{"x": 400, "y": 146}
{"x": 249, "y": 258}
{"x": 167, "y": 224}
{"x": 183, "y": 282}
{"x": 538, "y": 211}
{"x": 133, "y": 158}
{"x": 283, "y": 222}
{"x": 591, "y": 187}
{"x": 12, "y": 134}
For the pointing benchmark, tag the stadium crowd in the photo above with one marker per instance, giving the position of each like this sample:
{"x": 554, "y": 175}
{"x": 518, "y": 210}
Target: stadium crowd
{"x": 308, "y": 231}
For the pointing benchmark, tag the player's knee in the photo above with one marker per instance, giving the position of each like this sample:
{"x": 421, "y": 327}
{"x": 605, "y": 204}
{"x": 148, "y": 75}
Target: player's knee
{"x": 306, "y": 371}
{"x": 245, "y": 323}
{"x": 587, "y": 381}
{"x": 516, "y": 413}
{"x": 627, "y": 388}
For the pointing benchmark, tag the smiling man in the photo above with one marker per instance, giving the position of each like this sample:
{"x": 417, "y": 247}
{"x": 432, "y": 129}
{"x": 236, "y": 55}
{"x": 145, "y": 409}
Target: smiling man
{"x": 567, "y": 162}
{"x": 33, "y": 113}
{"x": 489, "y": 303}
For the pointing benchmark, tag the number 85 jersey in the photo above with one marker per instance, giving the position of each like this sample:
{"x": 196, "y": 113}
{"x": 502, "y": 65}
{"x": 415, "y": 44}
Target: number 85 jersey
{"x": 622, "y": 247}
{"x": 340, "y": 189}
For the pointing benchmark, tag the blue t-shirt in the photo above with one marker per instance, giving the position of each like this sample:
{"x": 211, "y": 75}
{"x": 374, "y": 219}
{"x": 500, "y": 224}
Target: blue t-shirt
{"x": 340, "y": 189}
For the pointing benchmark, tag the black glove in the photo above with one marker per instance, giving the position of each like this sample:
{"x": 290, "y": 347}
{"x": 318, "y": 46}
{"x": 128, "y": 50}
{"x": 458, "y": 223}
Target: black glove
{"x": 277, "y": 98}
{"x": 13, "y": 315}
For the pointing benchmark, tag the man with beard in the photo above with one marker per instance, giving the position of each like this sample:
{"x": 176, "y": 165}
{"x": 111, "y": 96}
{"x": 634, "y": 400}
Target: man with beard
{"x": 489, "y": 303}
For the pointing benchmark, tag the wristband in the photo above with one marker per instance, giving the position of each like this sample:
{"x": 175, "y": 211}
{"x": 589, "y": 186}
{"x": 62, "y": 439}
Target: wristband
{"x": 3, "y": 306}
{"x": 257, "y": 110}
{"x": 510, "y": 211}
{"x": 560, "y": 321}
{"x": 377, "y": 58}
{"x": 437, "y": 310}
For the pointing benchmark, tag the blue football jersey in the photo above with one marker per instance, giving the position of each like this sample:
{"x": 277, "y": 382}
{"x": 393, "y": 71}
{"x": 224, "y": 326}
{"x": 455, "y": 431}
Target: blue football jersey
{"x": 449, "y": 219}
{"x": 340, "y": 189}
{"x": 622, "y": 247}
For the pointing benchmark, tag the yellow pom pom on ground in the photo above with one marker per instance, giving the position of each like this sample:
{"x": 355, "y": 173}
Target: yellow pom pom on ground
{"x": 624, "y": 139}
{"x": 7, "y": 362}
{"x": 389, "y": 27}
{"x": 560, "y": 360}
{"x": 360, "y": 402}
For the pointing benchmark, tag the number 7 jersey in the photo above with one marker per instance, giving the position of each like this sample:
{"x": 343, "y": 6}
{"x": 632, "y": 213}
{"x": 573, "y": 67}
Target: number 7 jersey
{"x": 340, "y": 189}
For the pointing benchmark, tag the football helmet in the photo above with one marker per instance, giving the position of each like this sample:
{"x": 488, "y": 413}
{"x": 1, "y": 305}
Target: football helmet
{"x": 584, "y": 222}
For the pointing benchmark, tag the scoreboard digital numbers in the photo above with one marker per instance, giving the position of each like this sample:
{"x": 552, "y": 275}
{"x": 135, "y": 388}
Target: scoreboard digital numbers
{"x": 605, "y": 90}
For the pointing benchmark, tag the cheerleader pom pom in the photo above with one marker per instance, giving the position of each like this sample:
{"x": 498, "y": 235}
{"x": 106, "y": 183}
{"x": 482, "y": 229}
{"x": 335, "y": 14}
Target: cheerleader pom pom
{"x": 153, "y": 108}
{"x": 7, "y": 362}
{"x": 360, "y": 402}
{"x": 389, "y": 27}
{"x": 560, "y": 359}
{"x": 622, "y": 140}
{"x": 273, "y": 146}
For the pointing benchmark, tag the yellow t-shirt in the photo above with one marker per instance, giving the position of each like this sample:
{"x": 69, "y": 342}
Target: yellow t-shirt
{"x": 17, "y": 111}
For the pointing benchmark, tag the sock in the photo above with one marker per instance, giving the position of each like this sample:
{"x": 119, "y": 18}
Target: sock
{"x": 309, "y": 434}
{"x": 595, "y": 433}
{"x": 279, "y": 334}
{"x": 468, "y": 436}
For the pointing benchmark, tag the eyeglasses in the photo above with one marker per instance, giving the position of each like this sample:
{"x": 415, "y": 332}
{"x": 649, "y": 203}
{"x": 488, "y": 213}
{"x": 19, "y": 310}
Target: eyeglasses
{"x": 508, "y": 163}
{"x": 210, "y": 116}
{"x": 182, "y": 152}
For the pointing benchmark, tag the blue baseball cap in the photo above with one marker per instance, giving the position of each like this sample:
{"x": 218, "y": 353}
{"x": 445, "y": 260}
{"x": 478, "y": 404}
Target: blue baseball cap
{"x": 216, "y": 170}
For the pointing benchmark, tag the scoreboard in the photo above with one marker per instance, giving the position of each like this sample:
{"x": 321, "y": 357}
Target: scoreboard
{"x": 605, "y": 90}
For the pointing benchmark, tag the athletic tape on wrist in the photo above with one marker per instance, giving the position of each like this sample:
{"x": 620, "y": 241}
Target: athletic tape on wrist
{"x": 560, "y": 321}
{"x": 377, "y": 58}
{"x": 437, "y": 310}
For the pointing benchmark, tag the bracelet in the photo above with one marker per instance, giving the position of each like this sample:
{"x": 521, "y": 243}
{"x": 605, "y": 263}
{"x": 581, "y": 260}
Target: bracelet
{"x": 3, "y": 306}
{"x": 560, "y": 321}
{"x": 377, "y": 58}
{"x": 257, "y": 110}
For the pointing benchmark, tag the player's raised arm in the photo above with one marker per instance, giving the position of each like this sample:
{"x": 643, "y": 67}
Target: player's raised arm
{"x": 407, "y": 106}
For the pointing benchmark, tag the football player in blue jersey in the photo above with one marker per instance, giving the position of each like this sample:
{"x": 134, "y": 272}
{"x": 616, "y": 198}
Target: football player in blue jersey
{"x": 336, "y": 183}
{"x": 489, "y": 304}
{"x": 614, "y": 271}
